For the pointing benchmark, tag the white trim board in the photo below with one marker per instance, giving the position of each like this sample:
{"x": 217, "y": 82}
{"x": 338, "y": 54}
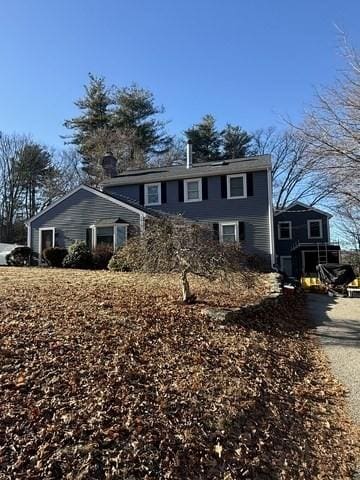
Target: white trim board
{"x": 91, "y": 190}
{"x": 271, "y": 217}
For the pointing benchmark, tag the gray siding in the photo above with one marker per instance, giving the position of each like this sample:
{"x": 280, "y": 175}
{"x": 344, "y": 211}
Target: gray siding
{"x": 299, "y": 228}
{"x": 253, "y": 210}
{"x": 75, "y": 214}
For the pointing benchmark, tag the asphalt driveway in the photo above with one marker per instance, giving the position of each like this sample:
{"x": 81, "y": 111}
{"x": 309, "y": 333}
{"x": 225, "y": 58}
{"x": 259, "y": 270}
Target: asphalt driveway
{"x": 337, "y": 322}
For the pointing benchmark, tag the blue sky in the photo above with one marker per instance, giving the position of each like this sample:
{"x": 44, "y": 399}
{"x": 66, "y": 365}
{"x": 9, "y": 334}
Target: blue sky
{"x": 246, "y": 62}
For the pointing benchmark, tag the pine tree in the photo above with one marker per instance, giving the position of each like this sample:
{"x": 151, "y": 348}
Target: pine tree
{"x": 235, "y": 142}
{"x": 135, "y": 115}
{"x": 95, "y": 115}
{"x": 205, "y": 139}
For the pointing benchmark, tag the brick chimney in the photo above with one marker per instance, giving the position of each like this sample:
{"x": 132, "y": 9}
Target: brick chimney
{"x": 109, "y": 165}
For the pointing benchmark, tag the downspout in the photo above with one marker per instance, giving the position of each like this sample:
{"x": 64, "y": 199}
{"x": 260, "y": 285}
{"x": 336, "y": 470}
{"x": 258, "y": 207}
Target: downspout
{"x": 271, "y": 217}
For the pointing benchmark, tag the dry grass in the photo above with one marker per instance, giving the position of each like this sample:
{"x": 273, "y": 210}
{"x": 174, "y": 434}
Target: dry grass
{"x": 108, "y": 376}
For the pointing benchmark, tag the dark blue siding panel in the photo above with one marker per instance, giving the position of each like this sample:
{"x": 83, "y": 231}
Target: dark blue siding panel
{"x": 299, "y": 220}
{"x": 254, "y": 210}
{"x": 75, "y": 214}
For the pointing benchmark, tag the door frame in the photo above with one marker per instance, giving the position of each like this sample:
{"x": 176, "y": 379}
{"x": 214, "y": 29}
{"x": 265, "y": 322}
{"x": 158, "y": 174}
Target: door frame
{"x": 40, "y": 239}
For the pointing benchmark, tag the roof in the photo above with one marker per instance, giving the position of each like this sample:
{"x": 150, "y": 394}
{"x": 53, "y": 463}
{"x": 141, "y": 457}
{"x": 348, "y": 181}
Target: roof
{"x": 119, "y": 200}
{"x": 302, "y": 209}
{"x": 174, "y": 172}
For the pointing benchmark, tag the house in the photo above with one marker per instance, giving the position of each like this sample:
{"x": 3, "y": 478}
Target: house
{"x": 234, "y": 196}
{"x": 302, "y": 239}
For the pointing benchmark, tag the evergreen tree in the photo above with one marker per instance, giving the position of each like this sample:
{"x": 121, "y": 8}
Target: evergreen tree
{"x": 34, "y": 167}
{"x": 235, "y": 142}
{"x": 95, "y": 115}
{"x": 135, "y": 116}
{"x": 205, "y": 139}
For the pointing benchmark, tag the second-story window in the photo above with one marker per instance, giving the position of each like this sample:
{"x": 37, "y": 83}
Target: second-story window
{"x": 284, "y": 231}
{"x": 314, "y": 229}
{"x": 192, "y": 190}
{"x": 236, "y": 186}
{"x": 153, "y": 194}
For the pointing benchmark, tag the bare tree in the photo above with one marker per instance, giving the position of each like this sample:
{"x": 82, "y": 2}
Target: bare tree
{"x": 11, "y": 150}
{"x": 174, "y": 244}
{"x": 295, "y": 174}
{"x": 332, "y": 129}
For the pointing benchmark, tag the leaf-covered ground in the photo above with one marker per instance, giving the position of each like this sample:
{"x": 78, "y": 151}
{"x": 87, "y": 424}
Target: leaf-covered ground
{"x": 108, "y": 376}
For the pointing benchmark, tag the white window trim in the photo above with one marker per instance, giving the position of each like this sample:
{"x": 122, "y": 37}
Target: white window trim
{"x": 221, "y": 235}
{"x": 40, "y": 239}
{"x": 228, "y": 185}
{"x": 288, "y": 222}
{"x": 186, "y": 182}
{"x": 146, "y": 186}
{"x": 309, "y": 231}
{"x": 113, "y": 225}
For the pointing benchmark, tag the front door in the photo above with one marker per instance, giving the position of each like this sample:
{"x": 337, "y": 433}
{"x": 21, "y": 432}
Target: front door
{"x": 286, "y": 265}
{"x": 46, "y": 239}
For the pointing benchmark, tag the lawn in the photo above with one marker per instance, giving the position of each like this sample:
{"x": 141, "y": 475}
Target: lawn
{"x": 108, "y": 376}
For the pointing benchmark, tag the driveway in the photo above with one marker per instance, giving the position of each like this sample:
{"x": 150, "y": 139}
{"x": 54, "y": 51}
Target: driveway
{"x": 337, "y": 322}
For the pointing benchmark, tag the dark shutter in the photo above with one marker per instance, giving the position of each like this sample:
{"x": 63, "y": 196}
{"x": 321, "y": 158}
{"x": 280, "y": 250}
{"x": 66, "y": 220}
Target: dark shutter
{"x": 163, "y": 192}
{"x": 250, "y": 184}
{"x": 223, "y": 186}
{"x": 204, "y": 183}
{"x": 181, "y": 190}
{"x": 241, "y": 231}
{"x": 89, "y": 238}
{"x": 216, "y": 231}
{"x": 141, "y": 194}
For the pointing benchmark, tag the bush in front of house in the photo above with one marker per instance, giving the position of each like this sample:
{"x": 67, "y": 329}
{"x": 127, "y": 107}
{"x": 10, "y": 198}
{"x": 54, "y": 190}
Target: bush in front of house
{"x": 19, "y": 257}
{"x": 55, "y": 256}
{"x": 101, "y": 256}
{"x": 129, "y": 258}
{"x": 79, "y": 256}
{"x": 118, "y": 263}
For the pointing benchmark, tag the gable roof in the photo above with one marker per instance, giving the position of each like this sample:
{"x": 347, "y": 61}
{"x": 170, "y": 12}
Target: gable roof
{"x": 174, "y": 172}
{"x": 126, "y": 203}
{"x": 303, "y": 207}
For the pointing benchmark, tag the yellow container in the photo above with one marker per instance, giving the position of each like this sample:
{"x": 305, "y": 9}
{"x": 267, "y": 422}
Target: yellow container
{"x": 310, "y": 282}
{"x": 355, "y": 283}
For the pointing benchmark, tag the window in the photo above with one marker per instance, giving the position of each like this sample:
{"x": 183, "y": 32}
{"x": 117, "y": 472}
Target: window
{"x": 105, "y": 236}
{"x": 113, "y": 235}
{"x": 314, "y": 228}
{"x": 192, "y": 190}
{"x": 153, "y": 194}
{"x": 236, "y": 186}
{"x": 229, "y": 232}
{"x": 284, "y": 230}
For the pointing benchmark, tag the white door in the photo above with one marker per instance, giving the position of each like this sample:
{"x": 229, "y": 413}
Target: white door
{"x": 286, "y": 265}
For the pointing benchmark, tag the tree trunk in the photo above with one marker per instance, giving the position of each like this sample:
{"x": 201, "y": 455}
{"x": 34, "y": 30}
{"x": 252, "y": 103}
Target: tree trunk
{"x": 187, "y": 296}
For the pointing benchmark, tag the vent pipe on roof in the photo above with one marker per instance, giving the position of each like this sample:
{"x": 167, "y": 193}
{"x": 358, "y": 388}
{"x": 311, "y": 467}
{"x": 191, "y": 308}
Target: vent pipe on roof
{"x": 189, "y": 154}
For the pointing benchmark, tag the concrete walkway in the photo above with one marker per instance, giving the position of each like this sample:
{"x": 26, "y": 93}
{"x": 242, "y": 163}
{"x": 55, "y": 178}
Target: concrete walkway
{"x": 337, "y": 322}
